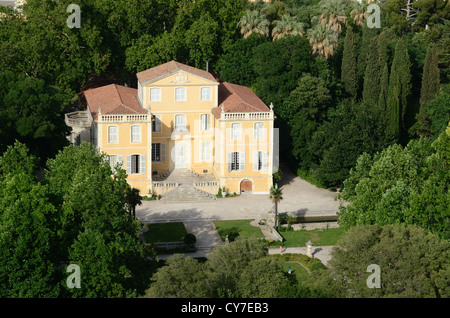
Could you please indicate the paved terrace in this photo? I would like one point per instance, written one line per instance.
(299, 196)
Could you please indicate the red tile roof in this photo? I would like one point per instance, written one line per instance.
(171, 67)
(113, 99)
(237, 98)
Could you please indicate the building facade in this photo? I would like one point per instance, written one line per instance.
(181, 121)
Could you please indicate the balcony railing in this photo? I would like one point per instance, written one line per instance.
(125, 118)
(247, 116)
(78, 118)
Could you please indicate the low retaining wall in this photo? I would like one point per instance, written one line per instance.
(313, 225)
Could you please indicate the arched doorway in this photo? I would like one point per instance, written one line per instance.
(246, 186)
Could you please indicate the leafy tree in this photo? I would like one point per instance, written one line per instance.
(304, 110)
(27, 264)
(112, 264)
(30, 112)
(353, 128)
(235, 66)
(27, 240)
(182, 277)
(132, 199)
(400, 186)
(16, 159)
(262, 278)
(147, 51)
(278, 65)
(227, 262)
(201, 40)
(412, 263)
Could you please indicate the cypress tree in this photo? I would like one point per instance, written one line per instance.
(398, 91)
(368, 36)
(371, 86)
(384, 84)
(430, 77)
(383, 70)
(348, 70)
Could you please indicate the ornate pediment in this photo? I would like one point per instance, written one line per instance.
(180, 77)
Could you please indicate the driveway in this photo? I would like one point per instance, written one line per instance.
(299, 196)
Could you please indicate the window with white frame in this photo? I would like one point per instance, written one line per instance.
(180, 94)
(259, 131)
(205, 122)
(158, 152)
(136, 164)
(180, 122)
(155, 94)
(205, 151)
(157, 124)
(136, 133)
(205, 94)
(260, 160)
(113, 135)
(235, 131)
(236, 161)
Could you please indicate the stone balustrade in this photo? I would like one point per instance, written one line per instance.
(247, 116)
(125, 118)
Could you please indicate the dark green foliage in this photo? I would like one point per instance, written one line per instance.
(371, 87)
(399, 185)
(353, 129)
(30, 112)
(278, 66)
(237, 269)
(430, 77)
(398, 92)
(236, 66)
(412, 264)
(190, 239)
(304, 110)
(348, 70)
(77, 214)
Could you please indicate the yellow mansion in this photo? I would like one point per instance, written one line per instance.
(181, 127)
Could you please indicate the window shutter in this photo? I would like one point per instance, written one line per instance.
(128, 164)
(242, 161)
(255, 160)
(120, 160)
(265, 161)
(208, 151)
(157, 123)
(142, 164)
(230, 154)
(163, 152)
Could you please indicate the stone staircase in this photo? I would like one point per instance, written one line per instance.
(187, 193)
(186, 176)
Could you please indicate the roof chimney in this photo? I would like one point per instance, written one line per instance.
(207, 65)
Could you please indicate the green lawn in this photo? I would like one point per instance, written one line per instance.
(296, 269)
(318, 237)
(241, 227)
(165, 232)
